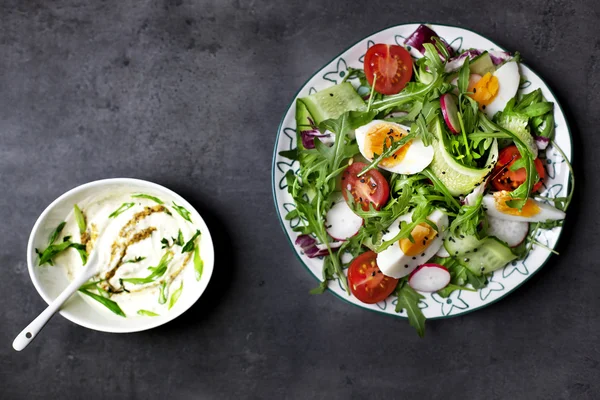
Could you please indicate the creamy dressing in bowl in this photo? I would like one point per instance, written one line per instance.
(154, 251)
(132, 235)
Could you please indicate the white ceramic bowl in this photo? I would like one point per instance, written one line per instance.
(50, 281)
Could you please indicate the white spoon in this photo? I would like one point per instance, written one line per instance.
(31, 331)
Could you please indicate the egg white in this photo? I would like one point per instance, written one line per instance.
(547, 212)
(394, 263)
(508, 81)
(416, 159)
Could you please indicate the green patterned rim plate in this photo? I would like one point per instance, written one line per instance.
(503, 281)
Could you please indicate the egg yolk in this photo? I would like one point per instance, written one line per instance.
(485, 90)
(529, 209)
(381, 134)
(423, 235)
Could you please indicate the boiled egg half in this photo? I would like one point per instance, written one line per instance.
(493, 91)
(409, 159)
(403, 256)
(533, 210)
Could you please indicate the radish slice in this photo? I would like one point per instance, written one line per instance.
(471, 198)
(429, 278)
(450, 112)
(442, 252)
(542, 142)
(341, 222)
(511, 232)
(332, 245)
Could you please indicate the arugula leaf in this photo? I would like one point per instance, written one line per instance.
(290, 154)
(147, 196)
(175, 296)
(538, 109)
(335, 154)
(439, 185)
(56, 232)
(110, 304)
(408, 299)
(441, 48)
(185, 214)
(124, 207)
(468, 219)
(190, 245)
(165, 243)
(387, 152)
(372, 94)
(147, 313)
(433, 57)
(517, 164)
(445, 292)
(156, 272)
(80, 218)
(198, 263)
(463, 76)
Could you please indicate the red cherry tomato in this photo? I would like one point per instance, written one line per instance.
(367, 282)
(371, 188)
(505, 179)
(393, 66)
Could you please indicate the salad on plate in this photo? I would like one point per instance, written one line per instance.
(420, 172)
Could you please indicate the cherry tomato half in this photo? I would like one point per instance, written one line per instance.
(372, 187)
(367, 282)
(393, 66)
(505, 179)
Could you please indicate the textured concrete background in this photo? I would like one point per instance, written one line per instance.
(189, 94)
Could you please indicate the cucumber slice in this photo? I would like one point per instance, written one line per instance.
(332, 102)
(482, 64)
(480, 256)
(489, 256)
(458, 178)
(457, 246)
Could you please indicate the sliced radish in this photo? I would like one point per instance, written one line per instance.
(442, 252)
(471, 198)
(341, 222)
(450, 112)
(542, 142)
(429, 278)
(511, 232)
(332, 245)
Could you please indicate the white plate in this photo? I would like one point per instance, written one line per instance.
(50, 281)
(503, 281)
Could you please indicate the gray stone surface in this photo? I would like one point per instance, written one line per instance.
(189, 94)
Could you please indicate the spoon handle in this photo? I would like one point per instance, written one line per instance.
(30, 332)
